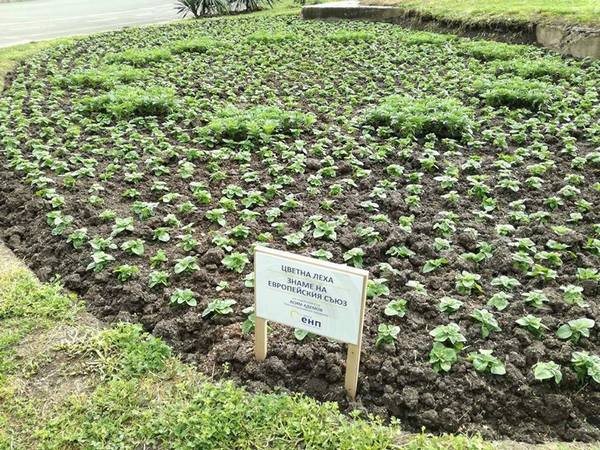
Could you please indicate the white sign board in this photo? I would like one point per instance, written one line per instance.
(310, 294)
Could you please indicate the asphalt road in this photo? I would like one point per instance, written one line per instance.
(35, 20)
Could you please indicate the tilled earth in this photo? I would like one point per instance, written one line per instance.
(383, 188)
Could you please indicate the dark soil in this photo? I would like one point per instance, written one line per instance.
(394, 381)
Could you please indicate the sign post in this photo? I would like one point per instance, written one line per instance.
(313, 295)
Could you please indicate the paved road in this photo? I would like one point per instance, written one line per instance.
(35, 20)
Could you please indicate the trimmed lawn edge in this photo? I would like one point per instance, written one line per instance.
(572, 40)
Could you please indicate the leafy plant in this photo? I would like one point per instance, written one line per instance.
(449, 305)
(133, 247)
(575, 329)
(127, 101)
(187, 264)
(484, 361)
(386, 334)
(236, 261)
(158, 278)
(354, 257)
(126, 272)
(445, 117)
(535, 298)
(532, 324)
(499, 300)
(442, 358)
(450, 333)
(395, 308)
(547, 371)
(467, 282)
(100, 260)
(219, 307)
(183, 297)
(586, 365)
(487, 321)
(377, 288)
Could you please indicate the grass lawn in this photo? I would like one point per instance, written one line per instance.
(585, 12)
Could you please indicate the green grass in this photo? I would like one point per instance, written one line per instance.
(563, 11)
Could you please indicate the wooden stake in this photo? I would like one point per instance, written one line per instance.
(260, 339)
(353, 355)
(352, 365)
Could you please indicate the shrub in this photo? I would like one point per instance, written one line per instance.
(421, 116)
(140, 57)
(488, 50)
(527, 68)
(515, 92)
(125, 102)
(265, 37)
(241, 124)
(424, 37)
(198, 45)
(250, 5)
(199, 8)
(350, 36)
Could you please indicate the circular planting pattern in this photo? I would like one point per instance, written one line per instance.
(463, 175)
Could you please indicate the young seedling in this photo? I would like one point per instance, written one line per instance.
(450, 333)
(395, 308)
(535, 299)
(434, 264)
(400, 251)
(183, 297)
(158, 278)
(506, 283)
(133, 247)
(586, 365)
(573, 295)
(322, 254)
(354, 257)
(219, 307)
(122, 225)
(126, 272)
(187, 264)
(159, 258)
(441, 357)
(547, 371)
(78, 238)
(249, 324)
(300, 335)
(484, 361)
(100, 260)
(532, 324)
(487, 321)
(386, 334)
(575, 329)
(294, 239)
(236, 261)
(467, 282)
(325, 230)
(449, 305)
(377, 288)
